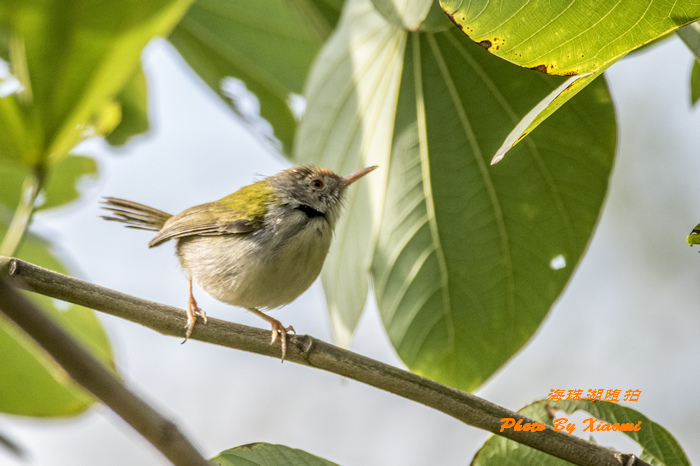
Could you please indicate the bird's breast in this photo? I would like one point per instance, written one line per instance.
(265, 269)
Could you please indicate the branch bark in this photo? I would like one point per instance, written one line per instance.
(309, 351)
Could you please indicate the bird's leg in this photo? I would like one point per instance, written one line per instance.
(277, 327)
(192, 312)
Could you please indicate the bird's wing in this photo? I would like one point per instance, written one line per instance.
(231, 215)
(206, 220)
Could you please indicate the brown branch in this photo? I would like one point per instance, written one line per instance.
(309, 351)
(94, 377)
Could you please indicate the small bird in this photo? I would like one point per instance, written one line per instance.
(258, 248)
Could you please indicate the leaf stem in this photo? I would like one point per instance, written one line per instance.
(23, 214)
(690, 34)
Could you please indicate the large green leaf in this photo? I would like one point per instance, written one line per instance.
(71, 57)
(31, 383)
(567, 38)
(269, 46)
(580, 37)
(466, 259)
(264, 454)
(471, 259)
(351, 101)
(658, 445)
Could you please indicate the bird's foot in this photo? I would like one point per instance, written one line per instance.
(278, 328)
(193, 311)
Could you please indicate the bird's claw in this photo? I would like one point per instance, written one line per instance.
(278, 328)
(193, 311)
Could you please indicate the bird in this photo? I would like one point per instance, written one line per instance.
(259, 248)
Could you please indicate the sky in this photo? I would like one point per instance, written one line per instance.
(629, 318)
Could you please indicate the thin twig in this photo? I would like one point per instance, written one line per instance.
(309, 351)
(23, 214)
(11, 446)
(94, 377)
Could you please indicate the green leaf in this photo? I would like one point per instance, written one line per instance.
(133, 102)
(269, 46)
(351, 100)
(64, 179)
(658, 445)
(31, 383)
(466, 259)
(15, 140)
(694, 236)
(567, 38)
(695, 83)
(543, 110)
(267, 454)
(498, 451)
(4, 46)
(12, 177)
(61, 186)
(469, 259)
(71, 57)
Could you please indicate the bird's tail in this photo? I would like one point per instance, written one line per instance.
(135, 215)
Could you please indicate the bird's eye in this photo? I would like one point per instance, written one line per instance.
(317, 184)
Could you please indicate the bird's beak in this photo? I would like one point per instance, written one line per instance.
(350, 179)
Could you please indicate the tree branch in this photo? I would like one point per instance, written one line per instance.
(94, 377)
(309, 351)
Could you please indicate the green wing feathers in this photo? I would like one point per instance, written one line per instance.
(240, 212)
